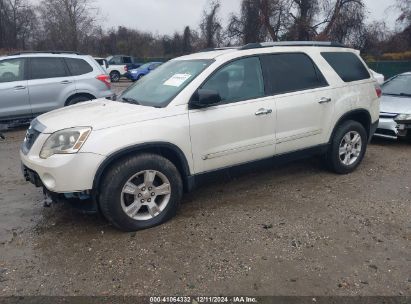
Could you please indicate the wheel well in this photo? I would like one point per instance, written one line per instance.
(172, 153)
(361, 116)
(79, 95)
(115, 71)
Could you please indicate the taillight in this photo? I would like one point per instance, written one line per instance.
(378, 90)
(106, 79)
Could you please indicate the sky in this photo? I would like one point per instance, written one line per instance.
(169, 16)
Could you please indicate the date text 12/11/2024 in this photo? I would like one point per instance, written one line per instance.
(203, 299)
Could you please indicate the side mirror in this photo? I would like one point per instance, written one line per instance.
(205, 98)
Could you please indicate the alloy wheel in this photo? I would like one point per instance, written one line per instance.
(350, 148)
(145, 195)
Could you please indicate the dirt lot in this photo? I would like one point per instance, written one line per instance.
(292, 230)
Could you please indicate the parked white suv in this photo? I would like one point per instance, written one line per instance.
(203, 113)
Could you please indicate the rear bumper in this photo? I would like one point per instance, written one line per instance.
(108, 94)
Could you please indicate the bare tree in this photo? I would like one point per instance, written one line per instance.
(17, 21)
(404, 6)
(344, 19)
(211, 28)
(187, 46)
(260, 20)
(303, 14)
(72, 19)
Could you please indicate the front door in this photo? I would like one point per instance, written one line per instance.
(242, 127)
(14, 97)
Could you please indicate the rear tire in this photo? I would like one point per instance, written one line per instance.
(141, 192)
(115, 76)
(347, 148)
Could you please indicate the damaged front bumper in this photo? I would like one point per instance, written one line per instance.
(389, 128)
(83, 201)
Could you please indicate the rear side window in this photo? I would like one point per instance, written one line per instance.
(285, 73)
(78, 66)
(127, 60)
(347, 65)
(42, 68)
(12, 70)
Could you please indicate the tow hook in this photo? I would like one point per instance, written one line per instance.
(48, 200)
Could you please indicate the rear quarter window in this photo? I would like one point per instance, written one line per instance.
(78, 66)
(347, 65)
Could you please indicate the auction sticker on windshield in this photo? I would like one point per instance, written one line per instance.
(177, 80)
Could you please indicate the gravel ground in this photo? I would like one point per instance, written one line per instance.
(291, 230)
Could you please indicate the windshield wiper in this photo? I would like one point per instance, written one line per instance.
(130, 100)
(400, 94)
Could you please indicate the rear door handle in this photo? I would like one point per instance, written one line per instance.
(19, 88)
(65, 82)
(324, 100)
(263, 112)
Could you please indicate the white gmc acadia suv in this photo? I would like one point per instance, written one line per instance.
(201, 113)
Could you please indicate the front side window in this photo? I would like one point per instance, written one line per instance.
(12, 70)
(238, 80)
(78, 66)
(398, 86)
(347, 65)
(158, 88)
(292, 72)
(42, 68)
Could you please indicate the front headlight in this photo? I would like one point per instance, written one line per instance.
(68, 141)
(403, 118)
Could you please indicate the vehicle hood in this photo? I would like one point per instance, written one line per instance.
(98, 114)
(395, 104)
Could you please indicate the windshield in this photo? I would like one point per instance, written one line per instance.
(158, 88)
(144, 66)
(400, 85)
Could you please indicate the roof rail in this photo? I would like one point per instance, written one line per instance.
(219, 49)
(45, 52)
(291, 43)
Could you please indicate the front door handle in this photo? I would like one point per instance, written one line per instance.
(65, 82)
(324, 100)
(19, 88)
(263, 112)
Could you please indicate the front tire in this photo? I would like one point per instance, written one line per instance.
(141, 192)
(347, 148)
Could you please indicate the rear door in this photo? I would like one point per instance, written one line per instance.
(303, 101)
(242, 127)
(50, 84)
(14, 97)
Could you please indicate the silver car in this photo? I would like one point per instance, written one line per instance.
(395, 115)
(35, 83)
